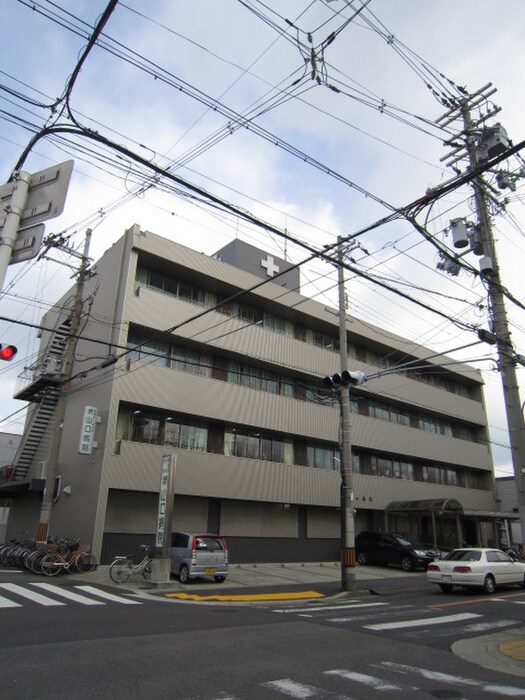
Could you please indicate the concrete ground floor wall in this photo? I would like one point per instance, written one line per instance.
(256, 531)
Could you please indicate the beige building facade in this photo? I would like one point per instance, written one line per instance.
(223, 368)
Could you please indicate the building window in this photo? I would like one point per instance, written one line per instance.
(187, 436)
(325, 341)
(389, 467)
(171, 285)
(145, 349)
(145, 428)
(322, 457)
(187, 360)
(255, 445)
(167, 430)
(274, 323)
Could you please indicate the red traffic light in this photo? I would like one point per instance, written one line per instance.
(7, 352)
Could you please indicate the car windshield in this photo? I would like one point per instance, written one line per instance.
(464, 555)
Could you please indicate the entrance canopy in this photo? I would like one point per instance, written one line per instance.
(440, 509)
(432, 505)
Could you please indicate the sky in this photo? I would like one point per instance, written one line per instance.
(318, 117)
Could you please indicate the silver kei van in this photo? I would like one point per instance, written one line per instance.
(198, 554)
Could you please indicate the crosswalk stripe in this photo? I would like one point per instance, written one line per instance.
(6, 603)
(423, 621)
(488, 687)
(66, 593)
(31, 595)
(371, 681)
(108, 596)
(292, 689)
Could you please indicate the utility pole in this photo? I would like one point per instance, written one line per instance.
(348, 561)
(52, 462)
(507, 357)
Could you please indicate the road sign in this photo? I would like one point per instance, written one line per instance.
(27, 243)
(46, 196)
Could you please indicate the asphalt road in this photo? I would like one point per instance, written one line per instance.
(86, 639)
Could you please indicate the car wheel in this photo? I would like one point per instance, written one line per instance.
(362, 558)
(407, 564)
(446, 587)
(489, 584)
(184, 574)
(220, 579)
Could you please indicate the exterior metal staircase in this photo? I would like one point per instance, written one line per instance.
(40, 420)
(42, 389)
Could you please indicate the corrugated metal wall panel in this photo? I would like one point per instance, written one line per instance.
(220, 476)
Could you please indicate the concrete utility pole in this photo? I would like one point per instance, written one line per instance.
(506, 354)
(507, 357)
(348, 561)
(52, 462)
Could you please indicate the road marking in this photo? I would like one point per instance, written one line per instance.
(506, 690)
(108, 596)
(66, 593)
(422, 622)
(31, 595)
(371, 681)
(470, 601)
(322, 608)
(6, 603)
(247, 597)
(292, 689)
(485, 626)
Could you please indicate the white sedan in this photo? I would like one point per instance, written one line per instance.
(476, 566)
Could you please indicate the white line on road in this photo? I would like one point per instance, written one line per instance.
(108, 596)
(66, 593)
(322, 608)
(422, 621)
(495, 689)
(484, 626)
(292, 689)
(31, 595)
(371, 681)
(6, 603)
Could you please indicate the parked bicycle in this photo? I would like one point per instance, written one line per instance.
(72, 559)
(122, 567)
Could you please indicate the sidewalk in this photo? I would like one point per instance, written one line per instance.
(254, 576)
(503, 651)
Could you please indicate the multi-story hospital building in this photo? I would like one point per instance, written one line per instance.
(221, 363)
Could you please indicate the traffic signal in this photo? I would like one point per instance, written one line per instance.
(7, 352)
(345, 378)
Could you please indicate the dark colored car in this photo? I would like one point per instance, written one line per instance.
(392, 549)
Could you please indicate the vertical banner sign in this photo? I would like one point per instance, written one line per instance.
(87, 431)
(167, 474)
